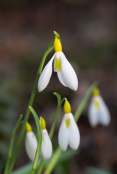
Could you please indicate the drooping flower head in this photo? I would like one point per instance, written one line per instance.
(65, 72)
(30, 142)
(98, 111)
(68, 132)
(46, 147)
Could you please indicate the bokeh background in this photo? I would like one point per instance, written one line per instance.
(88, 31)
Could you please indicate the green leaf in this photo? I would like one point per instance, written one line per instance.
(63, 157)
(56, 115)
(84, 101)
(11, 144)
(92, 170)
(39, 138)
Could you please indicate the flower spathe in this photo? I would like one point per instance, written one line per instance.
(46, 147)
(98, 111)
(65, 72)
(68, 132)
(30, 142)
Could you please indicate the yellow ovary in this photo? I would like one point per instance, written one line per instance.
(43, 123)
(57, 45)
(28, 127)
(67, 107)
(96, 92)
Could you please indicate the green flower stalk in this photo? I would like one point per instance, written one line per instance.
(76, 117)
(11, 144)
(49, 48)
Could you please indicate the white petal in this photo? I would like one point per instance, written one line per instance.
(63, 135)
(46, 148)
(31, 145)
(60, 78)
(93, 115)
(104, 114)
(68, 74)
(74, 135)
(45, 75)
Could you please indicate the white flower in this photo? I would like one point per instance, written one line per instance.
(68, 132)
(98, 111)
(65, 72)
(46, 147)
(30, 142)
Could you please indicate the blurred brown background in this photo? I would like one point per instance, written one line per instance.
(88, 31)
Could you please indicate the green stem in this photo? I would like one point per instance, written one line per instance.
(49, 48)
(84, 101)
(53, 125)
(40, 166)
(39, 140)
(56, 115)
(76, 117)
(53, 161)
(11, 144)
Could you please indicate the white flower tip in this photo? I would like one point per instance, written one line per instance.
(75, 88)
(46, 148)
(31, 145)
(40, 87)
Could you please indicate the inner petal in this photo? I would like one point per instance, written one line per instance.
(57, 64)
(97, 105)
(67, 121)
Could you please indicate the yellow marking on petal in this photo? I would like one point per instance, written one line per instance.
(43, 123)
(67, 121)
(96, 92)
(97, 105)
(67, 107)
(28, 127)
(57, 64)
(57, 45)
(32, 136)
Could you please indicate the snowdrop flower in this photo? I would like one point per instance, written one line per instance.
(65, 72)
(98, 111)
(46, 147)
(68, 132)
(30, 142)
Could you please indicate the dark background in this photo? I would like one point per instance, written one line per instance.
(88, 31)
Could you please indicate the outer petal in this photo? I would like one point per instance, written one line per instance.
(45, 75)
(93, 115)
(74, 135)
(46, 148)
(31, 145)
(104, 114)
(68, 74)
(60, 78)
(63, 135)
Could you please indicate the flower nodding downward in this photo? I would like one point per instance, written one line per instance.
(68, 132)
(98, 111)
(30, 142)
(46, 147)
(65, 71)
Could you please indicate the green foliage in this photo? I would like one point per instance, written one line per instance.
(92, 170)
(63, 157)
(8, 115)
